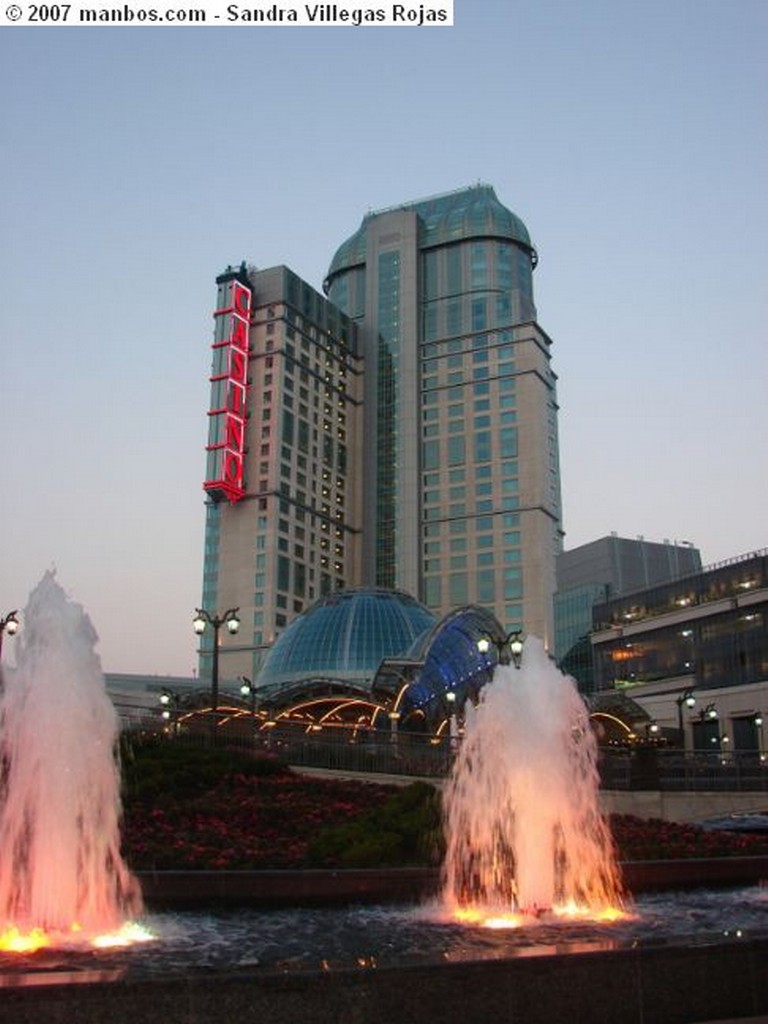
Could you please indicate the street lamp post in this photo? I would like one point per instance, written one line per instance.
(510, 648)
(248, 692)
(170, 703)
(709, 713)
(453, 725)
(687, 698)
(232, 622)
(758, 720)
(394, 718)
(10, 625)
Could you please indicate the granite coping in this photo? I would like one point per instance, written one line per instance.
(271, 889)
(667, 984)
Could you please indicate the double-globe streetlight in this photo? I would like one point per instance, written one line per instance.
(510, 648)
(203, 619)
(688, 699)
(169, 702)
(10, 625)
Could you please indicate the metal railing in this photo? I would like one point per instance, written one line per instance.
(676, 770)
(380, 752)
(374, 754)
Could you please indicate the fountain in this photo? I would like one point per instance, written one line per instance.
(524, 830)
(525, 840)
(62, 877)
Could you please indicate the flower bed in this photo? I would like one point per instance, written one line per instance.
(655, 839)
(192, 811)
(243, 822)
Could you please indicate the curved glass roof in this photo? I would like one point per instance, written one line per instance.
(451, 661)
(345, 636)
(467, 213)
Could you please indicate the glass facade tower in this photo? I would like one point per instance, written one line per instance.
(461, 467)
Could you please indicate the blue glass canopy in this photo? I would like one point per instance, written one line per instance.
(450, 663)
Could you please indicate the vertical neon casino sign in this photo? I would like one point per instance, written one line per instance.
(229, 386)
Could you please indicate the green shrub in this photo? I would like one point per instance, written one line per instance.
(405, 830)
(161, 772)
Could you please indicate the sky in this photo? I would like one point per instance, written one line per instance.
(136, 163)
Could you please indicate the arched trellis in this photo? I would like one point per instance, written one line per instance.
(611, 729)
(617, 719)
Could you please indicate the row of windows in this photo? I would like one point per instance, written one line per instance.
(481, 424)
(480, 507)
(321, 367)
(725, 650)
(503, 355)
(483, 446)
(453, 378)
(456, 412)
(480, 489)
(327, 375)
(458, 392)
(469, 343)
(510, 538)
(481, 587)
(298, 432)
(451, 269)
(482, 559)
(449, 364)
(508, 468)
(296, 579)
(478, 525)
(455, 316)
(307, 308)
(742, 577)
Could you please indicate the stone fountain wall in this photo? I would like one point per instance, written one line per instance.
(658, 985)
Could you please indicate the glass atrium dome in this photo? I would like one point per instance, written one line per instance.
(344, 636)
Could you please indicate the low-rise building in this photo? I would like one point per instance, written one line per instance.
(693, 652)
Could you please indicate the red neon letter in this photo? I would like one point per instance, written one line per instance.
(241, 300)
(238, 333)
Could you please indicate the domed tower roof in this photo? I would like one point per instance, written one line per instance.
(345, 636)
(467, 213)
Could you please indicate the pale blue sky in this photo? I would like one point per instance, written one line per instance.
(632, 139)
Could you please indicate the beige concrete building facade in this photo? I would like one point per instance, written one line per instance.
(296, 532)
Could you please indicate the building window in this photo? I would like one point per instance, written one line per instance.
(456, 452)
(431, 455)
(458, 588)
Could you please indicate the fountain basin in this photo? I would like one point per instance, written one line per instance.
(686, 957)
(269, 889)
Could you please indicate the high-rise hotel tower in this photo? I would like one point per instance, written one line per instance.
(462, 494)
(284, 468)
(401, 432)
